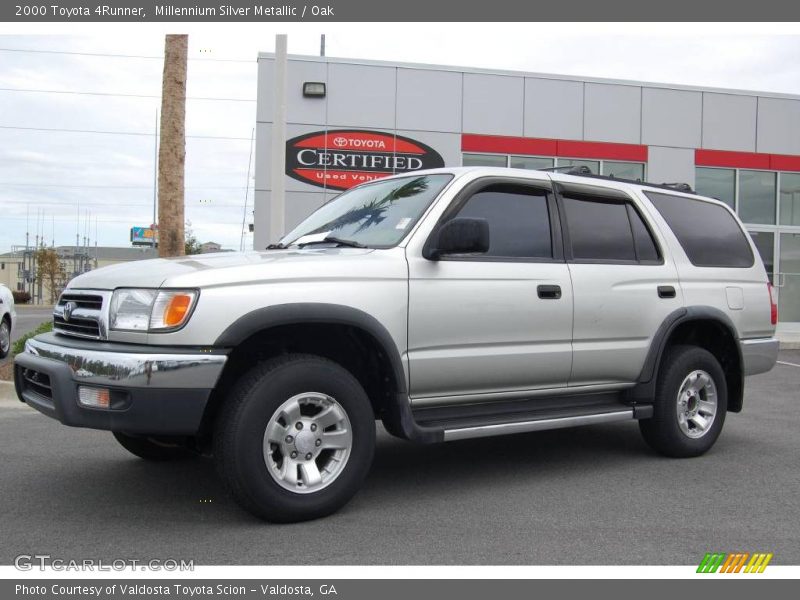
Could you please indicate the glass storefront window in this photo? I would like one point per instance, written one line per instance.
(716, 183)
(531, 162)
(765, 244)
(757, 193)
(790, 199)
(623, 170)
(594, 165)
(484, 160)
(789, 279)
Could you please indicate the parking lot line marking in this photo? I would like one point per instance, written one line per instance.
(788, 364)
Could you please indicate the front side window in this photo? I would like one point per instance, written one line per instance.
(519, 222)
(377, 215)
(708, 233)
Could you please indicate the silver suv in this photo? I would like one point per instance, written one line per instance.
(449, 304)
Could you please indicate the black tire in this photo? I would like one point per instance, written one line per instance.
(242, 422)
(663, 432)
(5, 334)
(156, 448)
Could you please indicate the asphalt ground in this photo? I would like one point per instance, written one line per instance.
(590, 495)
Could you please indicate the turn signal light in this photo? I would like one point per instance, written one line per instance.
(177, 309)
(94, 397)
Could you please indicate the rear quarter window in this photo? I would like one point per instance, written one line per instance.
(708, 233)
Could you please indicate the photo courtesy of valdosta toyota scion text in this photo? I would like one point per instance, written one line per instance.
(399, 295)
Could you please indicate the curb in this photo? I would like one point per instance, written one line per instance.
(8, 394)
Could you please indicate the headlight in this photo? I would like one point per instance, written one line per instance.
(151, 310)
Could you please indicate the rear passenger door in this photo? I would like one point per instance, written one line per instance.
(497, 322)
(624, 284)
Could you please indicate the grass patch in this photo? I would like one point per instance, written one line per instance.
(7, 368)
(19, 345)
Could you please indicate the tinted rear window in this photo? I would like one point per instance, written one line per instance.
(709, 234)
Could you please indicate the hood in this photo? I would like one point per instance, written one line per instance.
(226, 268)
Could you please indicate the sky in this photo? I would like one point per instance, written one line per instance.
(49, 178)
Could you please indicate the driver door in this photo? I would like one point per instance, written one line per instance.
(498, 322)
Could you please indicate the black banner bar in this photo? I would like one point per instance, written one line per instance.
(730, 588)
(243, 11)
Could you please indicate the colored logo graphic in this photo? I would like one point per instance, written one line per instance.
(340, 159)
(740, 562)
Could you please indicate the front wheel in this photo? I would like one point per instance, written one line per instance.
(690, 404)
(5, 338)
(295, 438)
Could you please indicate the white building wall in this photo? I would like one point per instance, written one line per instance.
(436, 105)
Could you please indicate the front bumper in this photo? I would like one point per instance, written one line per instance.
(154, 390)
(759, 355)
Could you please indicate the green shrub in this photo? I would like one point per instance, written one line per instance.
(19, 345)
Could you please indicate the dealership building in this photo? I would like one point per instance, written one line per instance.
(326, 124)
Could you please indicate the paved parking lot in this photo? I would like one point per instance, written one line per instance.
(593, 495)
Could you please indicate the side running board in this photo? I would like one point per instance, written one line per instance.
(445, 424)
(543, 424)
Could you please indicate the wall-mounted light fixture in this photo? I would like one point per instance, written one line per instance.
(314, 89)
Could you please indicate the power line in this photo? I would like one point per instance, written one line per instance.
(126, 221)
(115, 187)
(109, 55)
(133, 133)
(121, 95)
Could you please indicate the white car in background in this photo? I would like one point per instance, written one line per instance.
(7, 317)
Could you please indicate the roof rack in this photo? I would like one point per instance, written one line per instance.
(584, 171)
(569, 170)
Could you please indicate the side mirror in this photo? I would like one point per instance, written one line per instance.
(460, 236)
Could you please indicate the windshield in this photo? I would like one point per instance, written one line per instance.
(377, 215)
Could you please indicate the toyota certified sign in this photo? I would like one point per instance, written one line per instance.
(343, 158)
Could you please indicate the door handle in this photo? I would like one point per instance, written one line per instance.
(549, 292)
(666, 291)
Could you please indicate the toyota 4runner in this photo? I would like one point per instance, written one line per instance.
(449, 304)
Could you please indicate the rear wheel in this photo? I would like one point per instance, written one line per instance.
(156, 448)
(690, 404)
(295, 438)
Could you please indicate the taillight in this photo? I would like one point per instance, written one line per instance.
(773, 308)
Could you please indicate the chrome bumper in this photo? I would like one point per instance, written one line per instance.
(759, 355)
(151, 393)
(129, 369)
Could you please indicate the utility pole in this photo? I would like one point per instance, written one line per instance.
(172, 149)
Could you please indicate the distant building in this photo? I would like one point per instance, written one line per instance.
(18, 268)
(209, 247)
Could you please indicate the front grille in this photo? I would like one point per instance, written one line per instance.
(83, 316)
(77, 326)
(37, 382)
(90, 302)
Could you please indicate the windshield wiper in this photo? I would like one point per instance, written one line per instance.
(334, 240)
(277, 247)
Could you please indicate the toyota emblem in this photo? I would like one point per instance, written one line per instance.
(68, 308)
